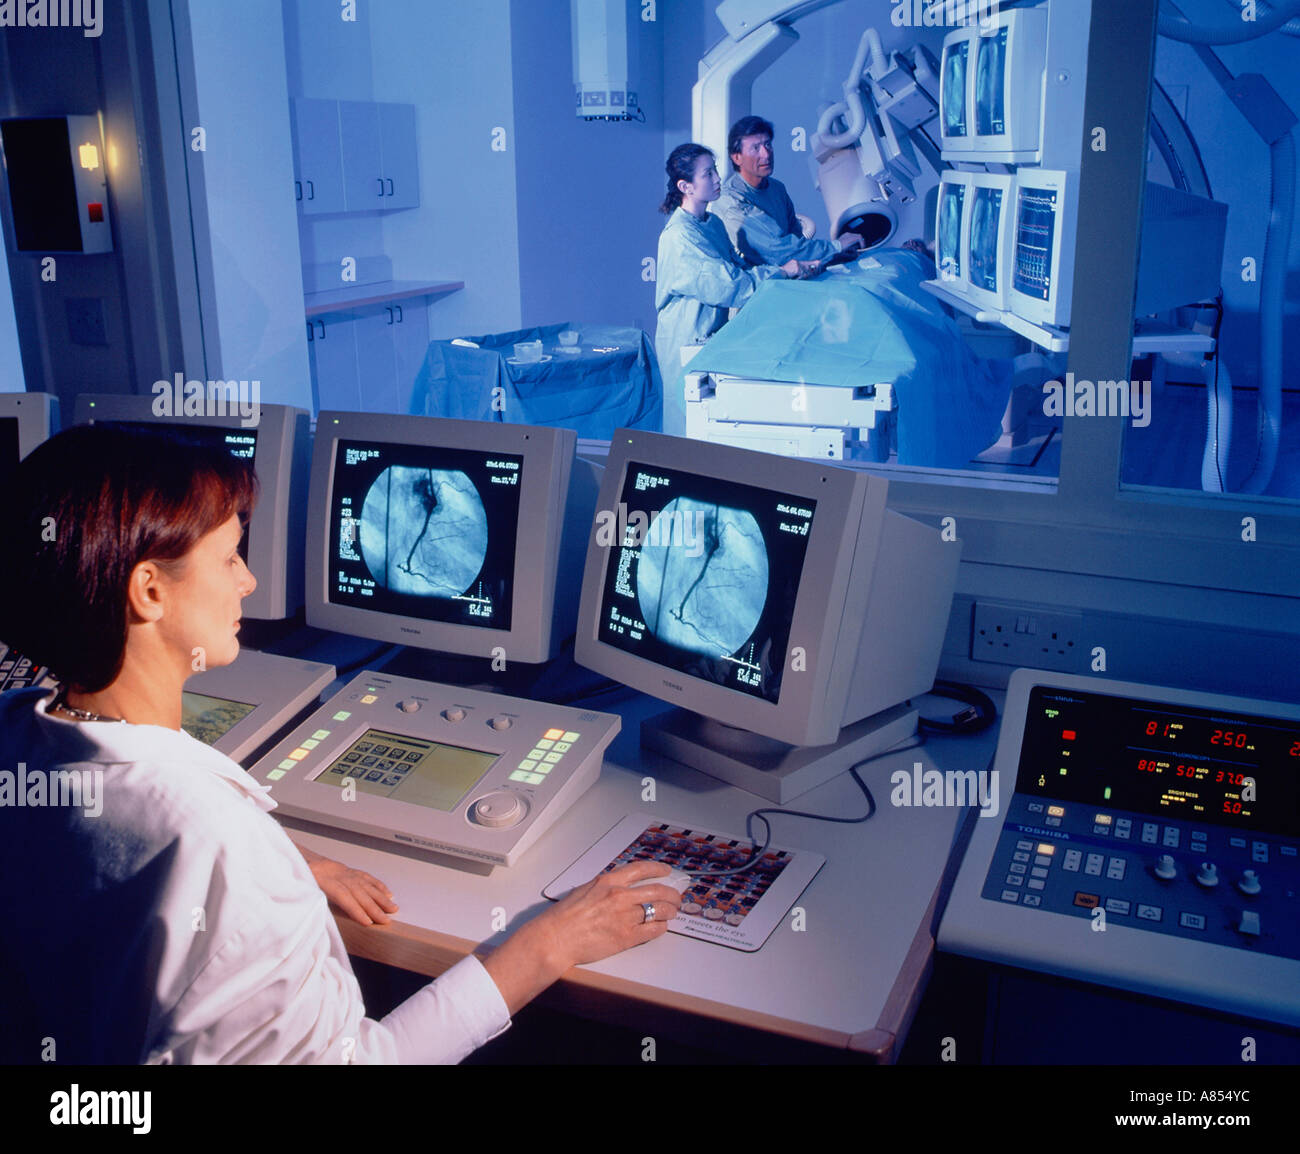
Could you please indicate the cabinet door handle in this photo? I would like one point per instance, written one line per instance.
(311, 190)
(390, 314)
(381, 185)
(322, 329)
(297, 190)
(311, 333)
(390, 185)
(399, 313)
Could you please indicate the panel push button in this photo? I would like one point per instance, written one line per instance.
(499, 810)
(454, 713)
(500, 722)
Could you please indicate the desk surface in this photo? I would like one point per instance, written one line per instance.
(850, 978)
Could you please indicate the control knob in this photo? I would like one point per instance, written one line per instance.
(1208, 875)
(1248, 883)
(409, 705)
(499, 809)
(454, 713)
(1165, 867)
(500, 722)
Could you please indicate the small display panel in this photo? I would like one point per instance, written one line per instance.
(954, 88)
(705, 576)
(986, 218)
(952, 207)
(990, 84)
(8, 447)
(410, 769)
(424, 532)
(1036, 218)
(1172, 761)
(209, 719)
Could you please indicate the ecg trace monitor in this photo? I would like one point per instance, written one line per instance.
(1149, 842)
(460, 771)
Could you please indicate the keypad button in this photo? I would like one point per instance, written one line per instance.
(1150, 833)
(553, 757)
(1086, 901)
(1191, 921)
(562, 747)
(1042, 860)
(1035, 807)
(1010, 895)
(1036, 883)
(1020, 855)
(1101, 830)
(528, 764)
(1015, 880)
(1018, 867)
(1038, 872)
(1092, 865)
(545, 744)
(1052, 821)
(1118, 906)
(1024, 843)
(1171, 836)
(1073, 859)
(1115, 869)
(1148, 913)
(1033, 899)
(569, 736)
(520, 775)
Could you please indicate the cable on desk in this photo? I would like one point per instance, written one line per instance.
(759, 851)
(978, 717)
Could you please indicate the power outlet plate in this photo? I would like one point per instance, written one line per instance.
(1024, 636)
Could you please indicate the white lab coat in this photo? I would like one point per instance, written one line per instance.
(181, 924)
(698, 278)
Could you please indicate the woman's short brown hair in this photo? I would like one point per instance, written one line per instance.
(88, 506)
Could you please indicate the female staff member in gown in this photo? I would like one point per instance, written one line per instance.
(160, 913)
(698, 275)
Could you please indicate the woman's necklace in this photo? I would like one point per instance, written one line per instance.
(61, 704)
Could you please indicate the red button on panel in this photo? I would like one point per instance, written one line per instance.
(96, 211)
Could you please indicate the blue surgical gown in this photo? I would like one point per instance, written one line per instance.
(698, 277)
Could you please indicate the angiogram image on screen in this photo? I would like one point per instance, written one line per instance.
(704, 577)
(426, 532)
(990, 85)
(951, 205)
(954, 89)
(706, 597)
(986, 215)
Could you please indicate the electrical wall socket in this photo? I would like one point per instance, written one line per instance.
(1022, 635)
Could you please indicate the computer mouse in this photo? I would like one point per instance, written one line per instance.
(677, 879)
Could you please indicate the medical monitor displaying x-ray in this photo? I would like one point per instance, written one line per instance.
(988, 237)
(443, 534)
(769, 597)
(954, 92)
(991, 89)
(950, 230)
(707, 577)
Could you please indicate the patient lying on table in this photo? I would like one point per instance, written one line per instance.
(868, 323)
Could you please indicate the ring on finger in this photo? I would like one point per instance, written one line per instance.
(648, 912)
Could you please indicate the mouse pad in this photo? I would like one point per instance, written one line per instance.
(737, 910)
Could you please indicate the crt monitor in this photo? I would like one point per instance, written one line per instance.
(988, 238)
(1042, 263)
(950, 230)
(26, 419)
(446, 535)
(1006, 86)
(779, 599)
(954, 93)
(277, 439)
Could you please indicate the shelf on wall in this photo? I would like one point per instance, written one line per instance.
(346, 300)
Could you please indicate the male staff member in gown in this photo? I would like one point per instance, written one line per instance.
(757, 210)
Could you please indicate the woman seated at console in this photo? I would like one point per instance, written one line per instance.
(165, 915)
(698, 275)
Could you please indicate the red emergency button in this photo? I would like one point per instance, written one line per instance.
(96, 211)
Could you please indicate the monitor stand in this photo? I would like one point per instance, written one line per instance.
(770, 768)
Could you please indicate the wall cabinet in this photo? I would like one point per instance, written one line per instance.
(354, 156)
